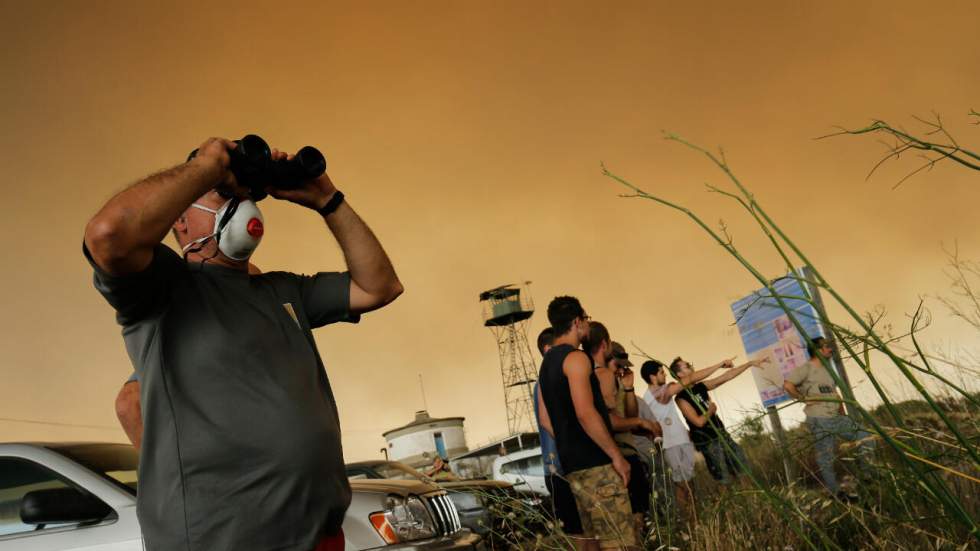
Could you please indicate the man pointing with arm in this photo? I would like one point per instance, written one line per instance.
(241, 445)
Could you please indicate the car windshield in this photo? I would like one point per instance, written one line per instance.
(398, 471)
(116, 462)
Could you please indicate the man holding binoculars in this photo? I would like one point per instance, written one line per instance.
(241, 447)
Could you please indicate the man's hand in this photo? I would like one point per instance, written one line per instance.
(651, 428)
(712, 409)
(214, 154)
(627, 378)
(622, 468)
(313, 194)
(729, 363)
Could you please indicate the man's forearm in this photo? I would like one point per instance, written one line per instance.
(730, 374)
(369, 265)
(791, 389)
(630, 408)
(139, 217)
(624, 424)
(700, 375)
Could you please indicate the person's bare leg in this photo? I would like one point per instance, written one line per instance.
(685, 499)
(583, 543)
(638, 526)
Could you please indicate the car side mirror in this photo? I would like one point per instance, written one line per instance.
(61, 505)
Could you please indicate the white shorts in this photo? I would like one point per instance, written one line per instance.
(680, 462)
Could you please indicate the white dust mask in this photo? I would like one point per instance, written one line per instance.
(240, 235)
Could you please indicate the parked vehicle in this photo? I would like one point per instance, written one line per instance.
(60, 497)
(524, 469)
(404, 515)
(471, 497)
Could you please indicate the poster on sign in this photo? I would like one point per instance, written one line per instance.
(767, 332)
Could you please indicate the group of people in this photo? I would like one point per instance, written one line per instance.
(601, 442)
(604, 446)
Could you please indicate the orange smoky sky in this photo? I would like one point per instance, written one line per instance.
(469, 135)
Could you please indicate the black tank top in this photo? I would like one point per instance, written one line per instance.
(575, 449)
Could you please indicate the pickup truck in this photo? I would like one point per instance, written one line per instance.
(67, 496)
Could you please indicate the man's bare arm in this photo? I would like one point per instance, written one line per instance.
(122, 235)
(577, 369)
(631, 424)
(665, 396)
(692, 416)
(128, 412)
(712, 384)
(373, 279)
(702, 374)
(791, 389)
(630, 408)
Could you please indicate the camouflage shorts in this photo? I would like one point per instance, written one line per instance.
(604, 506)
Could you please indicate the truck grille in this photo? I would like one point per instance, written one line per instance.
(444, 513)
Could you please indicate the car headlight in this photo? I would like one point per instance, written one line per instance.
(403, 520)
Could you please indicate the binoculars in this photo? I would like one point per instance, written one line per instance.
(253, 167)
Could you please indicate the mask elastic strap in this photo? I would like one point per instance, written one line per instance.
(199, 241)
(216, 235)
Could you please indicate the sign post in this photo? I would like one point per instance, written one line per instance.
(777, 431)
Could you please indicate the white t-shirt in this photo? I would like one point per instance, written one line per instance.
(675, 432)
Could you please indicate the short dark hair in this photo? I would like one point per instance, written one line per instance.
(597, 334)
(675, 365)
(814, 344)
(649, 369)
(546, 338)
(562, 313)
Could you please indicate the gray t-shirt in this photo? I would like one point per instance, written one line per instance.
(241, 445)
(813, 381)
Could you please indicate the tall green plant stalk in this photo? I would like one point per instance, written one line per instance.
(934, 485)
(823, 284)
(931, 150)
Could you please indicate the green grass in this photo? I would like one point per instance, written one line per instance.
(893, 511)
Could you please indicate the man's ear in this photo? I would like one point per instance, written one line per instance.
(179, 228)
(180, 225)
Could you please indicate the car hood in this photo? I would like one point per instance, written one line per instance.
(464, 485)
(392, 486)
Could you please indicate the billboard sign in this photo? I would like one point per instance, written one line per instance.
(767, 332)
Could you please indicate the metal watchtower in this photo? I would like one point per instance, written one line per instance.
(506, 313)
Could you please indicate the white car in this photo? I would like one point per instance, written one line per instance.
(68, 497)
(524, 469)
(62, 497)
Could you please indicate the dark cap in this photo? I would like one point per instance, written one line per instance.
(620, 354)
